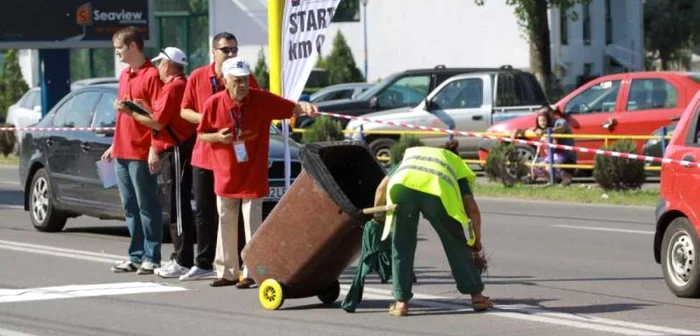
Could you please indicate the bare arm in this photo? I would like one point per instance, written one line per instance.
(191, 115)
(380, 194)
(475, 216)
(304, 108)
(147, 121)
(223, 136)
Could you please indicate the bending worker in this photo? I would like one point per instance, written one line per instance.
(436, 183)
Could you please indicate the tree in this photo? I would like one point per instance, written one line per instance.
(12, 84)
(671, 29)
(262, 73)
(532, 17)
(341, 63)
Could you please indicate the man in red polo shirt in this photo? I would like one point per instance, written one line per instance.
(132, 141)
(202, 84)
(172, 146)
(237, 124)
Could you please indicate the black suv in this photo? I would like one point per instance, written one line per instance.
(403, 89)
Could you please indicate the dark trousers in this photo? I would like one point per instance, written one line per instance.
(183, 244)
(206, 217)
(411, 204)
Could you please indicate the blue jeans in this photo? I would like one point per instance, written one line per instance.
(144, 217)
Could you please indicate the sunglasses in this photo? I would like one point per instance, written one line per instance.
(162, 51)
(228, 50)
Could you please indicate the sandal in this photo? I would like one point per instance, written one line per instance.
(482, 305)
(394, 311)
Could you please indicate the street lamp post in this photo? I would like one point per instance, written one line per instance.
(364, 7)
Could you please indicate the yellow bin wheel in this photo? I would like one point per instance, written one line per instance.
(271, 295)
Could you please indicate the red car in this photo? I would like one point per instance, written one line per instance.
(676, 243)
(635, 103)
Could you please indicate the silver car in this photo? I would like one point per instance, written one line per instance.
(339, 91)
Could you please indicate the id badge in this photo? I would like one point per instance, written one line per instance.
(241, 154)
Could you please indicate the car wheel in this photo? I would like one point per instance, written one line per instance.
(382, 150)
(512, 174)
(44, 216)
(679, 260)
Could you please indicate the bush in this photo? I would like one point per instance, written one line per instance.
(8, 141)
(323, 129)
(406, 141)
(613, 173)
(503, 164)
(12, 84)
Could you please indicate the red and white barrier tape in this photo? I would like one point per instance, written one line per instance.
(57, 129)
(520, 141)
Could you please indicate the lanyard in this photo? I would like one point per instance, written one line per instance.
(214, 84)
(237, 120)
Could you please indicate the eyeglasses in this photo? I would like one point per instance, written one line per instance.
(228, 50)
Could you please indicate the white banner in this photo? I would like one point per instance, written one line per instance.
(303, 34)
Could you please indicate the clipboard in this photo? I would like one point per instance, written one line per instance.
(135, 107)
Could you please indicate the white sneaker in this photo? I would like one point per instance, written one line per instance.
(196, 273)
(171, 270)
(162, 266)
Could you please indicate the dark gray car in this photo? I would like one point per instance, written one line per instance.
(58, 171)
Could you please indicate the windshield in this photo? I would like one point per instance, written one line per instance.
(376, 88)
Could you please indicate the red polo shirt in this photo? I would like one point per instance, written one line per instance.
(202, 84)
(167, 112)
(132, 140)
(243, 179)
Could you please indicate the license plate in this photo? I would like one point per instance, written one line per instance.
(275, 193)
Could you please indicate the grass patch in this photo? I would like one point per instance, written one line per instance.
(573, 194)
(10, 160)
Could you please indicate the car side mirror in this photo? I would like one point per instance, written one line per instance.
(428, 105)
(37, 109)
(374, 102)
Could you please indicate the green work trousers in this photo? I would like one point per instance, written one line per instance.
(411, 204)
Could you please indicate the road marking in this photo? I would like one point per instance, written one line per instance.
(60, 252)
(9, 182)
(519, 312)
(11, 207)
(81, 291)
(593, 228)
(7, 332)
(533, 314)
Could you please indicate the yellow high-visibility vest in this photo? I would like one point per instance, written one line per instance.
(434, 171)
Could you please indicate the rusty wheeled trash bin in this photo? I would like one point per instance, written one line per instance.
(314, 232)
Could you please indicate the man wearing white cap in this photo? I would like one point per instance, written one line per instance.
(173, 140)
(236, 122)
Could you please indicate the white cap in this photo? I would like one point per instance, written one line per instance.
(236, 67)
(171, 54)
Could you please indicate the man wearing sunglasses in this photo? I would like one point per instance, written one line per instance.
(203, 83)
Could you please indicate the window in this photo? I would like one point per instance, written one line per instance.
(77, 112)
(597, 98)
(587, 23)
(460, 94)
(647, 94)
(563, 26)
(515, 89)
(587, 69)
(608, 22)
(105, 115)
(29, 99)
(407, 91)
(334, 95)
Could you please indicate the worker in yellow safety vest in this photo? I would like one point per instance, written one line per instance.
(436, 183)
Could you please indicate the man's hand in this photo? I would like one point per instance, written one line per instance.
(477, 246)
(120, 107)
(224, 136)
(307, 109)
(107, 154)
(153, 161)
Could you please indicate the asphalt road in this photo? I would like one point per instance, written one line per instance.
(556, 269)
